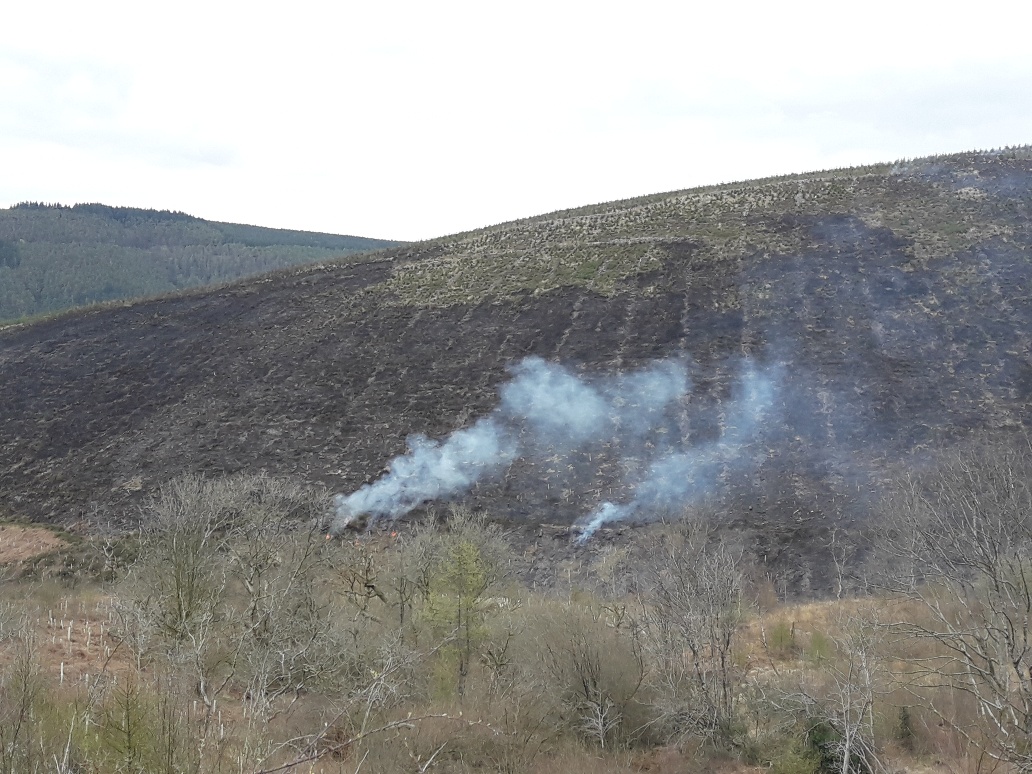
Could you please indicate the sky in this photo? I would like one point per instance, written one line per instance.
(411, 120)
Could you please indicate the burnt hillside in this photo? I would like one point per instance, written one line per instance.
(895, 299)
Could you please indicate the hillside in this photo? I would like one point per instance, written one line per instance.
(54, 257)
(889, 305)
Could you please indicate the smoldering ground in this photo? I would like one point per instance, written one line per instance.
(870, 373)
(637, 424)
(890, 350)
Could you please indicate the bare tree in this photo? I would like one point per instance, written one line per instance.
(287, 632)
(596, 671)
(692, 617)
(959, 541)
(227, 588)
(21, 688)
(836, 703)
(179, 576)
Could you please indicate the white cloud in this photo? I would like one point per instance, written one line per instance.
(411, 119)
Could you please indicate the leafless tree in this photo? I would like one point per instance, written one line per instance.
(21, 686)
(835, 703)
(227, 587)
(288, 635)
(596, 671)
(692, 619)
(959, 542)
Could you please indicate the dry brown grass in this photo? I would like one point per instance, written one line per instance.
(502, 726)
(73, 640)
(20, 543)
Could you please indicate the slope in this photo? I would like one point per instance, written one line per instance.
(895, 301)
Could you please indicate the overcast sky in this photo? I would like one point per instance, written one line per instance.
(411, 120)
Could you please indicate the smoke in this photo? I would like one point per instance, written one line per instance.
(431, 470)
(557, 407)
(546, 410)
(688, 476)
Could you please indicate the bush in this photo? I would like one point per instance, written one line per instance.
(596, 672)
(794, 757)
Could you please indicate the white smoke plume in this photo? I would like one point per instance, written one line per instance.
(431, 470)
(543, 409)
(548, 409)
(687, 476)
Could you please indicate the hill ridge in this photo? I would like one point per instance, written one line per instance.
(1014, 152)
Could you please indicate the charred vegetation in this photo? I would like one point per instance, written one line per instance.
(895, 298)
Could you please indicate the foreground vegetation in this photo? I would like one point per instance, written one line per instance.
(233, 635)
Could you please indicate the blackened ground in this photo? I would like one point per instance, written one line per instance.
(321, 375)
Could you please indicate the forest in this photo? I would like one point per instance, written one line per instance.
(55, 257)
(235, 634)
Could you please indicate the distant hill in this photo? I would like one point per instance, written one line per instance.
(53, 257)
(893, 302)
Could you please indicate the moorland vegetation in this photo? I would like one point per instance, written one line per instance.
(233, 634)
